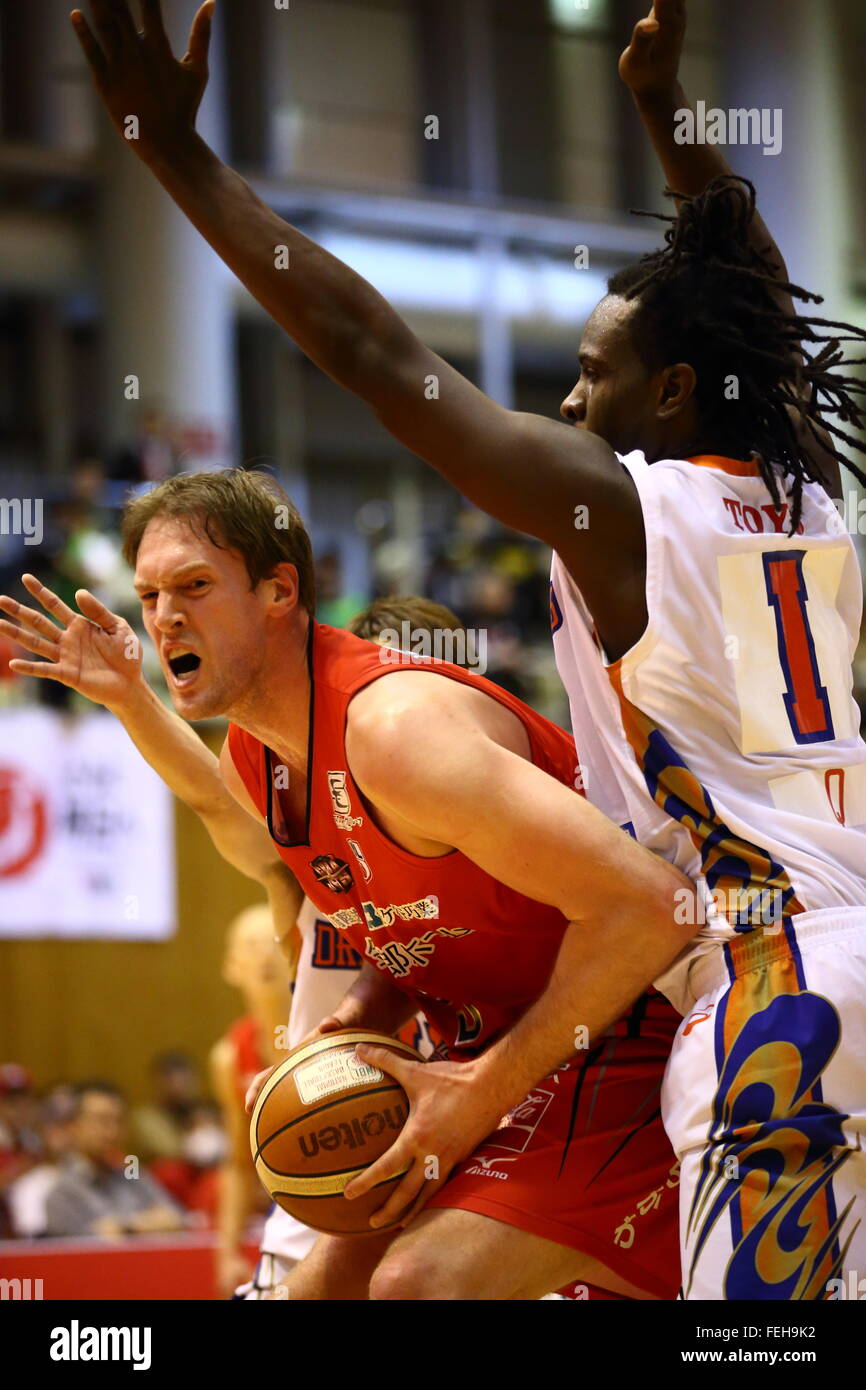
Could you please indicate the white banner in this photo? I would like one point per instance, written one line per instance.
(86, 831)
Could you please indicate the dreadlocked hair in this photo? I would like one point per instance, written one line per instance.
(712, 299)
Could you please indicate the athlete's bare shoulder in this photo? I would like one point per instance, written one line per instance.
(405, 713)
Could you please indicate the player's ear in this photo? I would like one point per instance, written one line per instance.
(284, 588)
(677, 388)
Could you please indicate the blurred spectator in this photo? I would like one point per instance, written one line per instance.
(28, 1195)
(96, 1192)
(160, 1130)
(20, 1140)
(333, 606)
(150, 454)
(255, 967)
(193, 1178)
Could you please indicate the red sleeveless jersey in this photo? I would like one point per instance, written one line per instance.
(248, 1060)
(472, 953)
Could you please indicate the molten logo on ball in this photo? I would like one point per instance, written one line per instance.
(354, 1134)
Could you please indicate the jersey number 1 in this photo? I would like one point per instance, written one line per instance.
(806, 700)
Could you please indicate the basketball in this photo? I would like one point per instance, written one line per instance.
(320, 1119)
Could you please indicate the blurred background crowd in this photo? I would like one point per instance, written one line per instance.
(52, 1141)
(127, 354)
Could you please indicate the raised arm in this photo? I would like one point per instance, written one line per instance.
(650, 69)
(649, 66)
(529, 471)
(96, 653)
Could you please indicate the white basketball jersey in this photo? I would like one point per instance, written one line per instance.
(728, 735)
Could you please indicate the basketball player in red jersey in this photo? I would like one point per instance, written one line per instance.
(256, 1040)
(433, 819)
(107, 673)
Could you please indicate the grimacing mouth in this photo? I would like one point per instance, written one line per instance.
(183, 664)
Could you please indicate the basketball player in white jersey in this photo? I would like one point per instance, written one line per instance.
(706, 602)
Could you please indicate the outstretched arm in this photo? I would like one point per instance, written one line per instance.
(529, 471)
(650, 69)
(96, 653)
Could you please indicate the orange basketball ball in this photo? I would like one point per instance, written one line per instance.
(319, 1120)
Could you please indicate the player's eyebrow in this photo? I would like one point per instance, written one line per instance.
(195, 566)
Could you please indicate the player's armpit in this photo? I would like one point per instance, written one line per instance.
(234, 783)
(459, 785)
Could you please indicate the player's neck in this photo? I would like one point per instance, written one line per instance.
(276, 710)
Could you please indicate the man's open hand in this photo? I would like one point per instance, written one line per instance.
(94, 652)
(138, 76)
(650, 64)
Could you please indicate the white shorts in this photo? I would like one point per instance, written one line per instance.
(764, 1101)
(285, 1242)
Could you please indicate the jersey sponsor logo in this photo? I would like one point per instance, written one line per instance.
(339, 796)
(359, 855)
(520, 1124)
(422, 908)
(400, 957)
(330, 950)
(555, 611)
(625, 1232)
(482, 1166)
(345, 918)
(343, 818)
(332, 873)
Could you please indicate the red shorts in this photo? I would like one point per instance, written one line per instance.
(584, 1160)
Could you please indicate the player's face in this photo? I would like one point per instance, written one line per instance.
(615, 395)
(206, 623)
(99, 1126)
(253, 961)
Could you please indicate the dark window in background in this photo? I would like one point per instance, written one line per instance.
(325, 92)
(19, 48)
(19, 415)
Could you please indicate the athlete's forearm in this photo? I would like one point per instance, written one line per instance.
(191, 771)
(597, 977)
(332, 313)
(688, 168)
